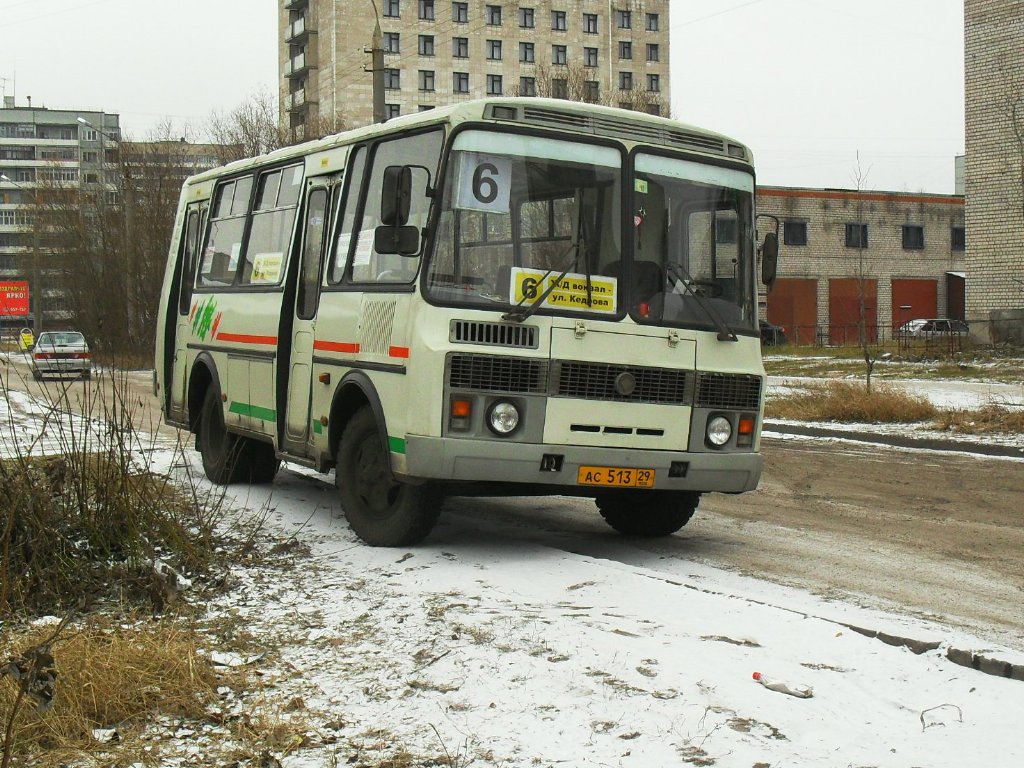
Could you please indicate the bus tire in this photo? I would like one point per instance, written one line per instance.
(647, 513)
(219, 449)
(381, 510)
(260, 460)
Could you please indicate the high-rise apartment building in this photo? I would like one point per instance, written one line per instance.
(44, 148)
(439, 52)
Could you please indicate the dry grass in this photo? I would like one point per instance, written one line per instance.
(851, 402)
(110, 674)
(988, 419)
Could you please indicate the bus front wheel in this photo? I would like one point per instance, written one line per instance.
(381, 510)
(647, 513)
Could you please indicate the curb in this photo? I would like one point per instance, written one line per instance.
(898, 441)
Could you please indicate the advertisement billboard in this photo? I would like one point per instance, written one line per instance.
(14, 298)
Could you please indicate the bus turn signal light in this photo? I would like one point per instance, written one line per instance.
(461, 410)
(745, 431)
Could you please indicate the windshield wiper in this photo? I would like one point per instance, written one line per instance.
(519, 313)
(680, 275)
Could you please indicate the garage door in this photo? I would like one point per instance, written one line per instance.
(844, 310)
(793, 304)
(912, 299)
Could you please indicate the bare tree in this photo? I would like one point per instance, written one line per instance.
(864, 337)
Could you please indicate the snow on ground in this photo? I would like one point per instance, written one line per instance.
(960, 395)
(493, 645)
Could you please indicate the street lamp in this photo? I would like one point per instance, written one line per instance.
(37, 281)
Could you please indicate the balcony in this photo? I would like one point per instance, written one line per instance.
(294, 5)
(296, 66)
(298, 30)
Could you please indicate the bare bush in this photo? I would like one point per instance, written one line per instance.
(853, 402)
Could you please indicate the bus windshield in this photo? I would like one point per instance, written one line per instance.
(693, 244)
(522, 213)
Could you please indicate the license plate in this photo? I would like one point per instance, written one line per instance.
(621, 477)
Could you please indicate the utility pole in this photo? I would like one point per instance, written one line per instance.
(377, 68)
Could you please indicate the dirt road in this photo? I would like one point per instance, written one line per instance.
(935, 534)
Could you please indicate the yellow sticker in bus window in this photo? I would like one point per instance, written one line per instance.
(640, 185)
(573, 292)
(266, 267)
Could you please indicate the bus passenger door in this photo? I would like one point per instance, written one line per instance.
(307, 295)
(177, 383)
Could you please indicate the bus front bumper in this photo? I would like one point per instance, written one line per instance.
(483, 461)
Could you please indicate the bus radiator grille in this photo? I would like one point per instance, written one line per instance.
(493, 334)
(622, 383)
(728, 391)
(498, 374)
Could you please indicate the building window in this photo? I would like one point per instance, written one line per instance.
(590, 23)
(590, 57)
(426, 45)
(527, 86)
(626, 81)
(460, 47)
(526, 53)
(526, 18)
(460, 13)
(856, 235)
(392, 79)
(654, 109)
(87, 157)
(625, 50)
(654, 83)
(425, 107)
(958, 239)
(794, 232)
(559, 54)
(591, 91)
(493, 15)
(460, 82)
(392, 44)
(560, 88)
(652, 22)
(913, 237)
(624, 19)
(426, 10)
(558, 21)
(392, 110)
(494, 50)
(652, 52)
(494, 85)
(426, 79)
(391, 9)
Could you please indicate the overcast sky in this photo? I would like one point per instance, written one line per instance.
(808, 84)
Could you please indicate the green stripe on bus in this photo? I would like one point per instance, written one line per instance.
(396, 444)
(318, 428)
(253, 411)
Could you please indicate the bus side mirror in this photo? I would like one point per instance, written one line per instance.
(769, 258)
(395, 195)
(405, 241)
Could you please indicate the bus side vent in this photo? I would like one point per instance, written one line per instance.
(493, 334)
(498, 374)
(729, 391)
(624, 383)
(376, 325)
(605, 125)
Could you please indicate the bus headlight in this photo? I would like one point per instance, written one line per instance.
(503, 418)
(719, 431)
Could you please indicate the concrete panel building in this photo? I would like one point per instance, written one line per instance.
(900, 256)
(441, 52)
(994, 173)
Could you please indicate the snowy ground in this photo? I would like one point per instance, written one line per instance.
(494, 645)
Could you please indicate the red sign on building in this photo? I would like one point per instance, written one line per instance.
(13, 298)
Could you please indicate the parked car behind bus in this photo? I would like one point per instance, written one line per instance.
(61, 352)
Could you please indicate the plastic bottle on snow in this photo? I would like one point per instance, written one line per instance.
(793, 689)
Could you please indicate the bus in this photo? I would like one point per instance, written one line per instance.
(508, 296)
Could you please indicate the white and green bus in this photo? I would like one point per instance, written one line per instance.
(503, 297)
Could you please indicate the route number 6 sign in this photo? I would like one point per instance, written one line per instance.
(484, 183)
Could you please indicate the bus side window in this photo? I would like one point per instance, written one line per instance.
(188, 260)
(421, 153)
(348, 208)
(227, 226)
(273, 219)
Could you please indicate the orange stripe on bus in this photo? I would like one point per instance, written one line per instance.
(336, 346)
(244, 338)
(402, 352)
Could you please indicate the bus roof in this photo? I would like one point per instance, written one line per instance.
(553, 114)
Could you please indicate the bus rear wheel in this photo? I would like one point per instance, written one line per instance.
(229, 458)
(647, 513)
(382, 511)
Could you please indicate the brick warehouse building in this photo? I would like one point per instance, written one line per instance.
(906, 250)
(439, 52)
(994, 176)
